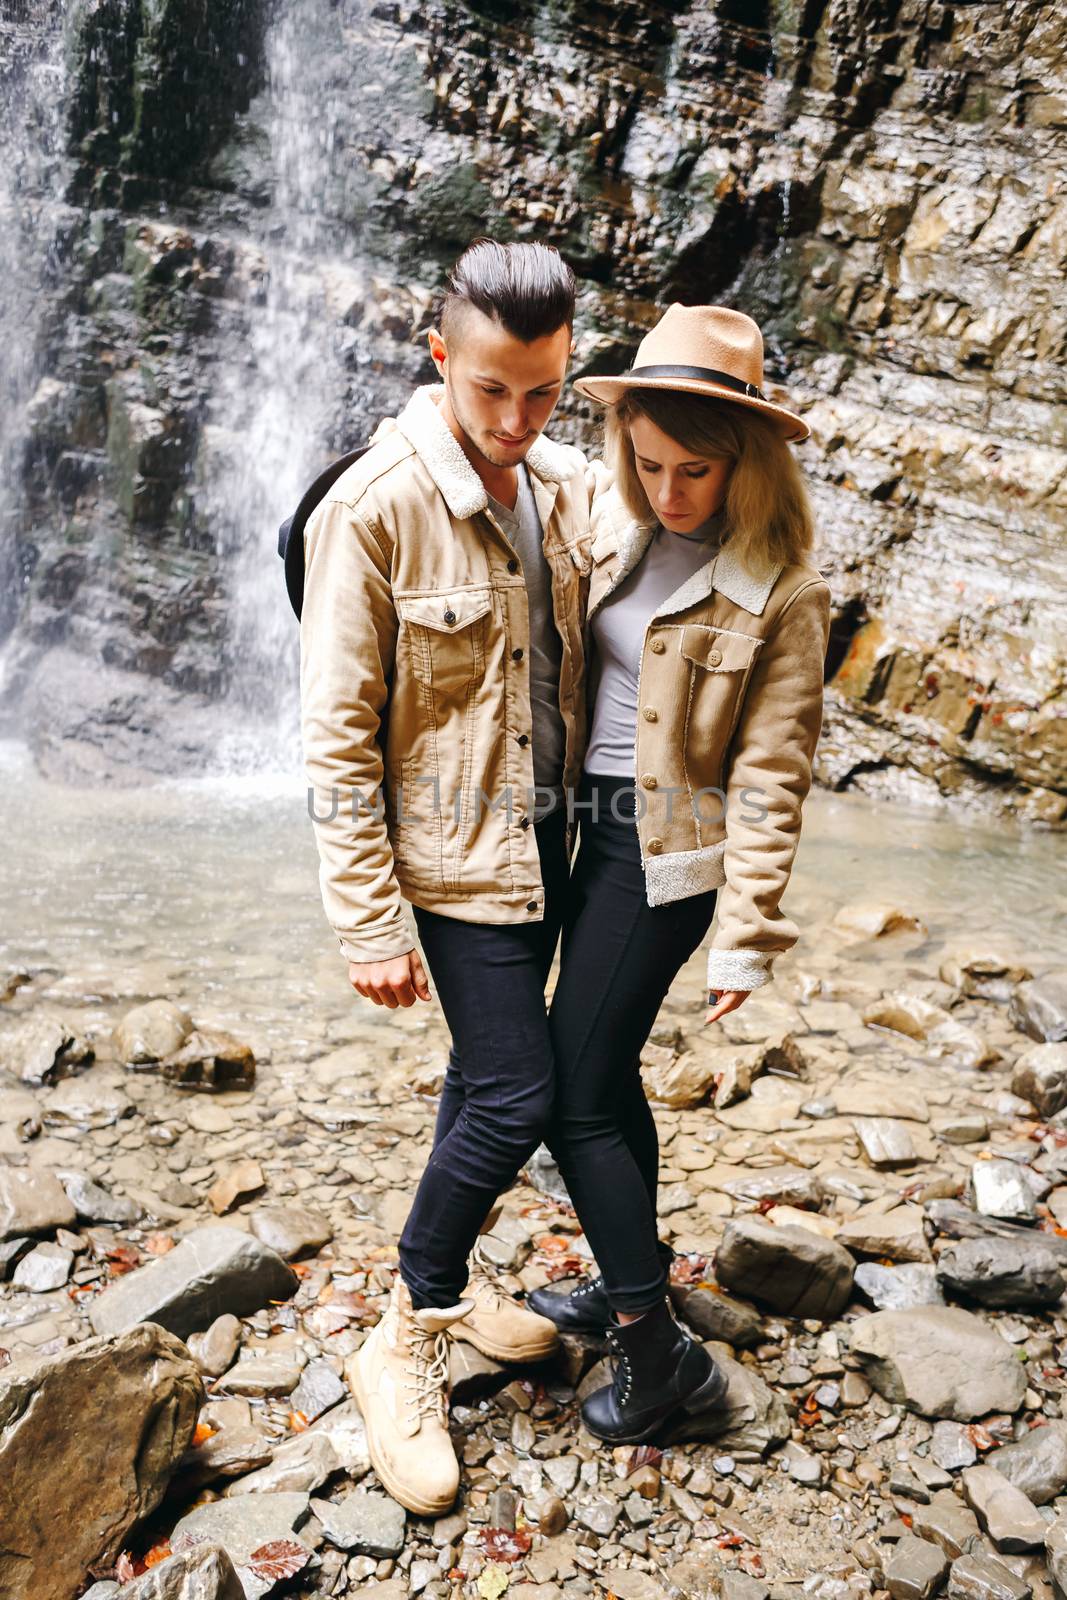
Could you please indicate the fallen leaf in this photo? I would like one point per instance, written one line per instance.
(500, 1544)
(492, 1581)
(202, 1433)
(159, 1552)
(159, 1244)
(281, 1558)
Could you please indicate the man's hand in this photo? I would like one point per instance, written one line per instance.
(397, 982)
(729, 1000)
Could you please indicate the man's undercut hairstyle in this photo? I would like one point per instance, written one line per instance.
(528, 288)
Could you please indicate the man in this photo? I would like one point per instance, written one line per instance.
(442, 675)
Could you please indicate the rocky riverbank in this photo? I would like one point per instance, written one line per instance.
(864, 1174)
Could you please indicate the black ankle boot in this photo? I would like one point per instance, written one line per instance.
(584, 1310)
(587, 1308)
(660, 1374)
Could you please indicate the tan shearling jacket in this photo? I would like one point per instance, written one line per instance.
(730, 697)
(415, 686)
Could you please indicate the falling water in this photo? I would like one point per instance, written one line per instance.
(31, 106)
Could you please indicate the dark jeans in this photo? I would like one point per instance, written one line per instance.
(619, 958)
(572, 1078)
(497, 1095)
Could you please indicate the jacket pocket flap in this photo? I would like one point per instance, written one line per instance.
(445, 610)
(717, 649)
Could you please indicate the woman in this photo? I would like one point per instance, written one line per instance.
(707, 632)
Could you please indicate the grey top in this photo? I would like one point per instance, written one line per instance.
(618, 637)
(548, 735)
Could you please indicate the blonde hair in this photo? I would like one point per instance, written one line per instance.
(768, 515)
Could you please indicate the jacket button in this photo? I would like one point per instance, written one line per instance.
(531, 905)
(654, 847)
(714, 657)
(524, 739)
(650, 715)
(524, 822)
(450, 616)
(649, 780)
(516, 655)
(513, 565)
(657, 647)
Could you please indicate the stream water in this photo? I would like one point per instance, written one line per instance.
(208, 892)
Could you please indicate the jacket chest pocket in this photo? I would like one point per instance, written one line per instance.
(721, 663)
(446, 635)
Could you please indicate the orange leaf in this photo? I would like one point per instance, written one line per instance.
(158, 1553)
(203, 1432)
(281, 1558)
(298, 1421)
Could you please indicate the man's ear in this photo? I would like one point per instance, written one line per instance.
(438, 352)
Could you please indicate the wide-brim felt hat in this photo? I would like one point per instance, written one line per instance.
(710, 350)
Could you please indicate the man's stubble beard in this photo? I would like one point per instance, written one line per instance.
(510, 460)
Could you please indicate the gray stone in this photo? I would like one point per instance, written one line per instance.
(1038, 1007)
(996, 1272)
(948, 1523)
(1010, 1519)
(292, 1231)
(214, 1350)
(599, 1516)
(1056, 1556)
(46, 1267)
(336, 1443)
(95, 1204)
(915, 1569)
(895, 1235)
(242, 1526)
(717, 1316)
(72, 1502)
(32, 1202)
(369, 1523)
(202, 1573)
(952, 1447)
(898, 1288)
(886, 1142)
(274, 1373)
(957, 1221)
(1040, 1076)
(211, 1270)
(41, 1049)
(1036, 1464)
(86, 1103)
(999, 1189)
(981, 1577)
(319, 1389)
(151, 1031)
(212, 1061)
(792, 1270)
(939, 1361)
(965, 1127)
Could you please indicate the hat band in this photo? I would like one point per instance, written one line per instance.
(704, 374)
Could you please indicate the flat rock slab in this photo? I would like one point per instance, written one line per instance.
(95, 1204)
(791, 1270)
(88, 1442)
(211, 1271)
(292, 1231)
(1003, 1272)
(1036, 1464)
(240, 1526)
(912, 1283)
(979, 1577)
(895, 1235)
(940, 1361)
(886, 1141)
(1011, 1520)
(371, 1524)
(915, 1569)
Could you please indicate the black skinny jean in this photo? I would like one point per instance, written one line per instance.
(572, 1078)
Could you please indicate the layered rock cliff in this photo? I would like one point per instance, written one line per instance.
(234, 244)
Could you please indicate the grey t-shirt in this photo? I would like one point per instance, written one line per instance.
(618, 634)
(548, 735)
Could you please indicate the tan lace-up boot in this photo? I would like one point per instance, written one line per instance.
(399, 1378)
(499, 1326)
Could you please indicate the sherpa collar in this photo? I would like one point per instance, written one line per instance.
(439, 451)
(723, 572)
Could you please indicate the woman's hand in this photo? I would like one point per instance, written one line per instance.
(729, 1000)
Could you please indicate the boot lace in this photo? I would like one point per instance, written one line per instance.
(481, 1283)
(427, 1374)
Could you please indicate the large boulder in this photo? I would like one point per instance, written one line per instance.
(1036, 1463)
(89, 1439)
(939, 1361)
(1001, 1272)
(791, 1270)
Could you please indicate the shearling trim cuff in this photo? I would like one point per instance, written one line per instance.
(681, 873)
(739, 969)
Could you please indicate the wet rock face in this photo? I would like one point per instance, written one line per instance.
(878, 190)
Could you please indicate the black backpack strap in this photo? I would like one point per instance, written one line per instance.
(291, 532)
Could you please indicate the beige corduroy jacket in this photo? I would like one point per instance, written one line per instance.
(415, 682)
(730, 698)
